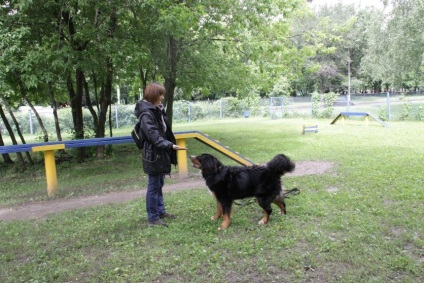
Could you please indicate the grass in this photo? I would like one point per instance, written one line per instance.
(359, 222)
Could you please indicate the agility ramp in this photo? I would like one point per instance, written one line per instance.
(205, 139)
(367, 115)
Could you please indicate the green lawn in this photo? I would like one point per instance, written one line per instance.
(362, 221)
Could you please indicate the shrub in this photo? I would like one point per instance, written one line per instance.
(420, 113)
(315, 104)
(382, 113)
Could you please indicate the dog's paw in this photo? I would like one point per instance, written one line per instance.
(261, 222)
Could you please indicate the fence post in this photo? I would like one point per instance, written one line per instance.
(220, 109)
(31, 129)
(116, 116)
(189, 111)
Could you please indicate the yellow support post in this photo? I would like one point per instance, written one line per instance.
(50, 165)
(366, 120)
(182, 159)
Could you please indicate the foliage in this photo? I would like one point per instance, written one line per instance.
(420, 113)
(329, 99)
(382, 113)
(251, 101)
(315, 104)
(83, 49)
(281, 88)
(334, 38)
(80, 50)
(406, 108)
(395, 46)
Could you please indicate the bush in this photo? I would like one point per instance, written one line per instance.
(382, 114)
(420, 113)
(328, 104)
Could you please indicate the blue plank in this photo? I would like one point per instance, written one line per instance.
(73, 143)
(68, 144)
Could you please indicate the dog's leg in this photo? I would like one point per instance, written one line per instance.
(279, 200)
(226, 210)
(225, 223)
(218, 211)
(265, 219)
(267, 210)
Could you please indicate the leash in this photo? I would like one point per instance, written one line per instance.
(292, 192)
(287, 194)
(245, 202)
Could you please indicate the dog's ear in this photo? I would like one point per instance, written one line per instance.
(216, 164)
(210, 164)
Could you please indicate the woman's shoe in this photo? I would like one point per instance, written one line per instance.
(158, 222)
(167, 215)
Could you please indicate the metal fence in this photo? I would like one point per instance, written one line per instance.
(386, 106)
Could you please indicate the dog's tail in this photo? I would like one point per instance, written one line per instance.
(281, 164)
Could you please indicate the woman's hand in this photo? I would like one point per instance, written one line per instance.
(176, 147)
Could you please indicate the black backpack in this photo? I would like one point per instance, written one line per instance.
(137, 134)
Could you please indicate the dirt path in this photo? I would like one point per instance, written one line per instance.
(40, 210)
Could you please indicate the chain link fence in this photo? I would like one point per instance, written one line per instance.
(388, 107)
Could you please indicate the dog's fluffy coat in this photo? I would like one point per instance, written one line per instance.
(228, 183)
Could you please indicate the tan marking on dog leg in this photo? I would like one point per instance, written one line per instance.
(225, 223)
(279, 201)
(218, 211)
(265, 219)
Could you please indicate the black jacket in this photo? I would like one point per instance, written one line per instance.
(157, 152)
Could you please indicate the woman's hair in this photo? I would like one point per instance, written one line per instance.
(153, 91)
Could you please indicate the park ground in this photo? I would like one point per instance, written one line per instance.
(41, 209)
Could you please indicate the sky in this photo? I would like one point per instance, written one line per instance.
(358, 3)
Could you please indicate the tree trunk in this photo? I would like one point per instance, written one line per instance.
(18, 129)
(104, 103)
(56, 119)
(110, 119)
(96, 95)
(75, 96)
(173, 50)
(40, 122)
(89, 105)
(12, 137)
(107, 88)
(170, 88)
(54, 107)
(144, 77)
(76, 108)
(6, 156)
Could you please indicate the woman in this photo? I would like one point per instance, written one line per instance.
(159, 150)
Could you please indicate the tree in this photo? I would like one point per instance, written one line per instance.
(336, 38)
(18, 130)
(85, 47)
(6, 157)
(216, 46)
(395, 46)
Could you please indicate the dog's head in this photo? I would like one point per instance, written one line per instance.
(208, 163)
(282, 164)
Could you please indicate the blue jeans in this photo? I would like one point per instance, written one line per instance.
(154, 197)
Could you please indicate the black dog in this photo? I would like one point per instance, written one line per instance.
(228, 183)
